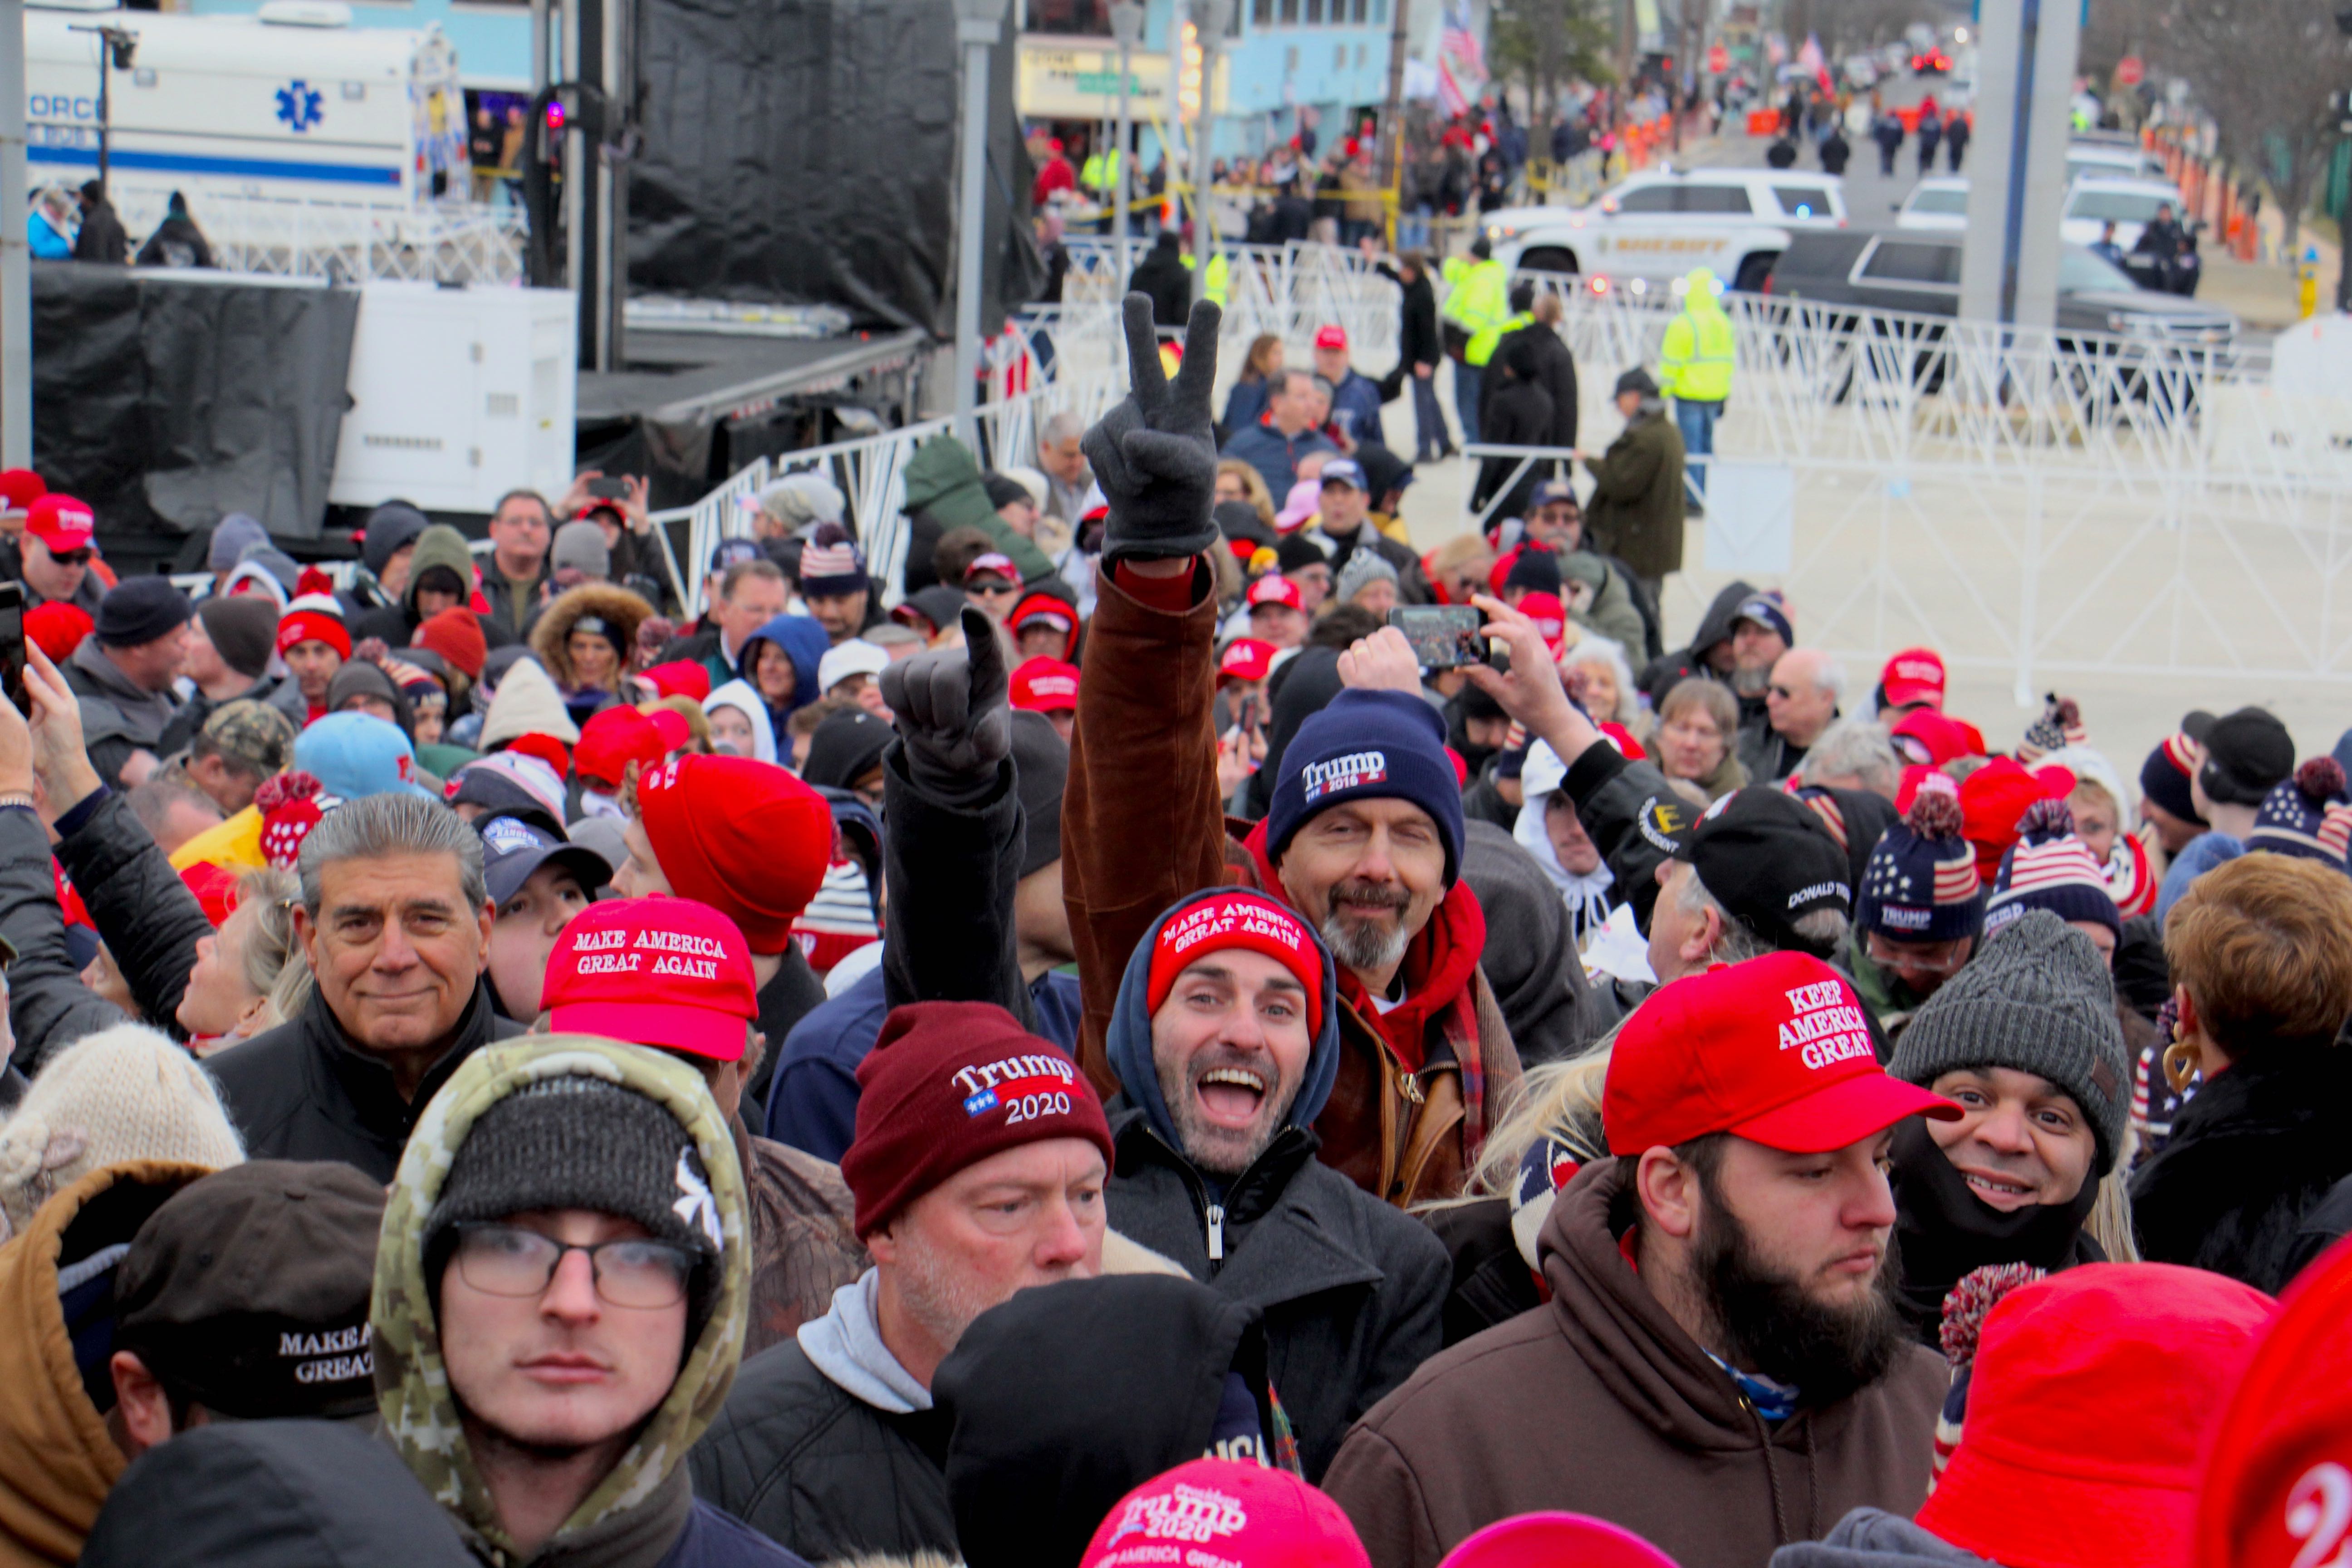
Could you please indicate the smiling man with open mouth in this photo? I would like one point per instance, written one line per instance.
(1226, 1035)
(2025, 1040)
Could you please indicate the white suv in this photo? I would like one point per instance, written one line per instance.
(1653, 228)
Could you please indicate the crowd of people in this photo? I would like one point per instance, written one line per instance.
(1122, 1058)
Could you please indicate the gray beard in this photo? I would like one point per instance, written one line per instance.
(1364, 947)
(1750, 683)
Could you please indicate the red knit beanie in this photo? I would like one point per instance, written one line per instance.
(456, 636)
(947, 1084)
(1238, 918)
(745, 837)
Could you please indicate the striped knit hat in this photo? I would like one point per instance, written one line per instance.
(1922, 883)
(2163, 777)
(2059, 726)
(831, 564)
(2308, 815)
(2049, 867)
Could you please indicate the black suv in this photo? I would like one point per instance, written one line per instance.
(1887, 289)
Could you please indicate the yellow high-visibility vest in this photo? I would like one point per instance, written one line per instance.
(1695, 362)
(1221, 272)
(1477, 298)
(1482, 344)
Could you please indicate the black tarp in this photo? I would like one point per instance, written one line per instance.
(805, 151)
(168, 402)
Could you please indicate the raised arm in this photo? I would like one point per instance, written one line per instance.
(1142, 821)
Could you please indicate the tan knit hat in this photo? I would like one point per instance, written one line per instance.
(124, 1093)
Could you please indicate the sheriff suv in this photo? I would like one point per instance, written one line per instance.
(1653, 228)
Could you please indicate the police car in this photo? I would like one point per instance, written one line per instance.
(1653, 228)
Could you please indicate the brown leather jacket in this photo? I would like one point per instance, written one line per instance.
(1143, 826)
(803, 1245)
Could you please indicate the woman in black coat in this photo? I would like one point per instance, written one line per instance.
(2261, 955)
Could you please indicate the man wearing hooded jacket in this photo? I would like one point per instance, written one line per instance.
(1226, 1033)
(1371, 852)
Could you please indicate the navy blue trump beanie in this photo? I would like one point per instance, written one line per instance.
(1368, 745)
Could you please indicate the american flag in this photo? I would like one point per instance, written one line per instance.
(1461, 63)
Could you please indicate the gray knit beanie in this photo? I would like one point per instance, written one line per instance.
(2035, 999)
(579, 1143)
(1366, 565)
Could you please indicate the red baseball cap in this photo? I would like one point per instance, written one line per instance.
(1915, 675)
(1775, 1051)
(2090, 1404)
(61, 522)
(19, 489)
(56, 629)
(2286, 1433)
(678, 678)
(673, 726)
(1045, 684)
(1273, 588)
(669, 973)
(1227, 1513)
(1334, 336)
(1936, 739)
(993, 564)
(1245, 658)
(1551, 1539)
(613, 738)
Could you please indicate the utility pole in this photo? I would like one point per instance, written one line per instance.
(1392, 112)
(15, 253)
(1127, 27)
(979, 25)
(116, 49)
(1210, 19)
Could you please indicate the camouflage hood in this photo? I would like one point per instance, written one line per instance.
(413, 1386)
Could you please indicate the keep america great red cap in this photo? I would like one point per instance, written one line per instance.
(1774, 1050)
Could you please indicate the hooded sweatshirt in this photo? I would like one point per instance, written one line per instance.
(1588, 895)
(738, 695)
(1600, 1403)
(943, 481)
(804, 640)
(56, 1331)
(527, 704)
(643, 1507)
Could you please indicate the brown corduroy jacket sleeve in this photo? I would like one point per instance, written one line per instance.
(1141, 821)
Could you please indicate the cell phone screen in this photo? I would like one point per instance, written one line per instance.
(1444, 636)
(11, 643)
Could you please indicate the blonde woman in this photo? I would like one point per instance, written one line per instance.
(1699, 730)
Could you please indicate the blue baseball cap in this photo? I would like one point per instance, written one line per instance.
(354, 755)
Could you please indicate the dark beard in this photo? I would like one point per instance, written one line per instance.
(1770, 1323)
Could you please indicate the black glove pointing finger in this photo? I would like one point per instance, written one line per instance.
(1155, 454)
(954, 711)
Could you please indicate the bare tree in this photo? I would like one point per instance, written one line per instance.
(2264, 71)
(1545, 45)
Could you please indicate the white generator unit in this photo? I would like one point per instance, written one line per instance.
(459, 396)
(253, 119)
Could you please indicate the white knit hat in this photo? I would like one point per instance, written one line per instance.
(123, 1093)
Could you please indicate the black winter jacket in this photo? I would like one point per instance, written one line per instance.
(1518, 413)
(1557, 375)
(953, 940)
(821, 1472)
(303, 1091)
(1418, 342)
(150, 921)
(1351, 1289)
(2258, 1149)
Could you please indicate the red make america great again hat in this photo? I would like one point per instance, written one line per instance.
(1775, 1051)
